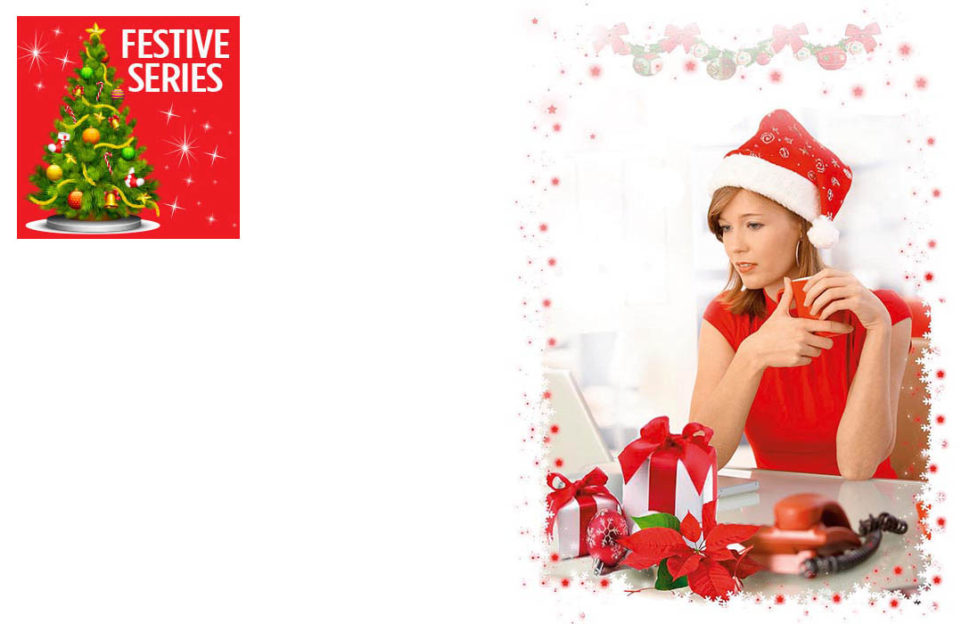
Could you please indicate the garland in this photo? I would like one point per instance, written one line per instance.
(54, 190)
(722, 63)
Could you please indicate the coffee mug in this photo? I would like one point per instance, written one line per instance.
(804, 311)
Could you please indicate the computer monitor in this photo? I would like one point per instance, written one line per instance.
(577, 441)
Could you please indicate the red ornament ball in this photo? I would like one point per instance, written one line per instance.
(603, 532)
(75, 199)
(831, 58)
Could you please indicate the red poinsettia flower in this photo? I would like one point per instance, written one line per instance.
(712, 568)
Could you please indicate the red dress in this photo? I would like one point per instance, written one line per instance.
(796, 412)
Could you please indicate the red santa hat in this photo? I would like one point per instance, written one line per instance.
(783, 162)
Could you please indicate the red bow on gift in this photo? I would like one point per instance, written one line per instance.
(676, 36)
(863, 35)
(655, 436)
(782, 36)
(613, 36)
(592, 483)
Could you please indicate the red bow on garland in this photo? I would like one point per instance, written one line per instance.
(685, 37)
(655, 436)
(782, 36)
(592, 483)
(612, 36)
(864, 35)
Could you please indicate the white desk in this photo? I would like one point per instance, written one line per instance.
(859, 499)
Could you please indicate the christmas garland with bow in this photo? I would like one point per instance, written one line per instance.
(722, 63)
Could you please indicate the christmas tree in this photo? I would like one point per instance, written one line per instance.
(94, 171)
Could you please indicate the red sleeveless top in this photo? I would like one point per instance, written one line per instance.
(793, 421)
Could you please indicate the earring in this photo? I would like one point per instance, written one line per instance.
(797, 247)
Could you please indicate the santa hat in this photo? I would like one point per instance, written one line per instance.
(783, 162)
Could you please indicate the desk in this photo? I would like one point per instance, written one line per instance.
(858, 498)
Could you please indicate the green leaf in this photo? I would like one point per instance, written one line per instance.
(665, 520)
(664, 580)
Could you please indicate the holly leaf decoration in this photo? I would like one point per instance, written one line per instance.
(665, 520)
(650, 546)
(665, 581)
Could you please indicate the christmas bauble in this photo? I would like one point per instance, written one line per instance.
(763, 58)
(803, 54)
(831, 58)
(74, 199)
(86, 72)
(91, 135)
(647, 64)
(128, 153)
(700, 50)
(855, 47)
(742, 58)
(603, 532)
(54, 173)
(117, 93)
(721, 68)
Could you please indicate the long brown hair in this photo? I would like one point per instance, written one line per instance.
(736, 297)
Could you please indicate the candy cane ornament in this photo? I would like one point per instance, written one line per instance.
(107, 154)
(72, 113)
(100, 85)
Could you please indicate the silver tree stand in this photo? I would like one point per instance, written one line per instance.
(65, 224)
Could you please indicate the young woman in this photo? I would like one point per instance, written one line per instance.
(806, 403)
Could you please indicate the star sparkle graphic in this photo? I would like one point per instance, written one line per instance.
(185, 147)
(174, 206)
(169, 114)
(35, 52)
(65, 60)
(214, 155)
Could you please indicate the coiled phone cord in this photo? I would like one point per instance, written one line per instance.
(872, 530)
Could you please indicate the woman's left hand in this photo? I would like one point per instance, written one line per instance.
(831, 290)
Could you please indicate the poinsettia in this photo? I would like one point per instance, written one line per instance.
(712, 568)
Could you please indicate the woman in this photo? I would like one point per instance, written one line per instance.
(806, 403)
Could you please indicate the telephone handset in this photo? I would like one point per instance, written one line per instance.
(812, 535)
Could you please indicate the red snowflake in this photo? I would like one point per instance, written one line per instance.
(904, 49)
(556, 127)
(546, 303)
(930, 140)
(932, 468)
(836, 598)
(857, 91)
(936, 192)
(940, 374)
(932, 243)
(593, 135)
(551, 342)
(941, 522)
(779, 599)
(775, 76)
(546, 395)
(898, 570)
(554, 428)
(595, 71)
(534, 20)
(690, 66)
(920, 83)
(894, 603)
(604, 582)
(551, 109)
(940, 419)
(554, 557)
(552, 261)
(937, 580)
(565, 582)
(543, 227)
(558, 462)
(555, 181)
(929, 276)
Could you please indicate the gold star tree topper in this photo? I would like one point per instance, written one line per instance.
(94, 31)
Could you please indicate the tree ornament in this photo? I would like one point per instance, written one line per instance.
(831, 58)
(77, 91)
(57, 148)
(132, 181)
(603, 533)
(100, 85)
(742, 58)
(721, 68)
(128, 153)
(763, 58)
(91, 135)
(647, 64)
(54, 173)
(98, 116)
(111, 201)
(700, 50)
(86, 72)
(114, 122)
(75, 199)
(95, 32)
(855, 47)
(803, 54)
(117, 93)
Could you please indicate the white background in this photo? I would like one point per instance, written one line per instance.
(319, 420)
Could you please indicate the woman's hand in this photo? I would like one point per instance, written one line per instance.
(831, 290)
(784, 340)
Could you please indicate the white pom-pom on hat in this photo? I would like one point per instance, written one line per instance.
(823, 233)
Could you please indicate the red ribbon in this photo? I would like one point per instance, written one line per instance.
(783, 35)
(663, 450)
(611, 36)
(592, 483)
(685, 37)
(863, 35)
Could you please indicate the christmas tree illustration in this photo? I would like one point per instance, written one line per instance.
(94, 172)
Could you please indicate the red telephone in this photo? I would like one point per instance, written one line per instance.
(812, 535)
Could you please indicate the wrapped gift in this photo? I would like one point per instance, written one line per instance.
(670, 473)
(572, 507)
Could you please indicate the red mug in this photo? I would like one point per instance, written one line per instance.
(805, 312)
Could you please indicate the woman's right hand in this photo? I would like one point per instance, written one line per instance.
(784, 340)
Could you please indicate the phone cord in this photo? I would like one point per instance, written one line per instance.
(871, 529)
